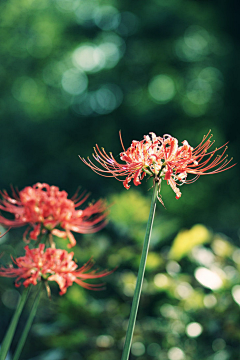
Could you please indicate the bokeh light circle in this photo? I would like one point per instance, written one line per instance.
(162, 88)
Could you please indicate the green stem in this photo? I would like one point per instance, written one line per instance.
(138, 288)
(25, 332)
(12, 327)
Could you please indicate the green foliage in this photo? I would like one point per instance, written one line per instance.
(123, 210)
(73, 73)
(188, 239)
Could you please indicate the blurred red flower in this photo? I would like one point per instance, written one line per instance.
(46, 208)
(162, 159)
(52, 265)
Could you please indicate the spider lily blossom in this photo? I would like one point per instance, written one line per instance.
(52, 265)
(46, 209)
(163, 159)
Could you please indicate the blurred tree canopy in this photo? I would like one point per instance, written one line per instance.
(73, 73)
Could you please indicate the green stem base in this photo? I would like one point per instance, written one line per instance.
(12, 327)
(140, 277)
(25, 332)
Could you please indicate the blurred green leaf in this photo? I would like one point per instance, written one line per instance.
(186, 240)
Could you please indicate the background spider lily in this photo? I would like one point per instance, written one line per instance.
(46, 209)
(52, 265)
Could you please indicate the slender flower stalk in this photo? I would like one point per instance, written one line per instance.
(140, 277)
(12, 327)
(47, 210)
(28, 324)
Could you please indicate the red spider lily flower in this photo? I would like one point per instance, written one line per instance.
(52, 265)
(45, 208)
(163, 159)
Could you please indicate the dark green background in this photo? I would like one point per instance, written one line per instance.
(190, 49)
